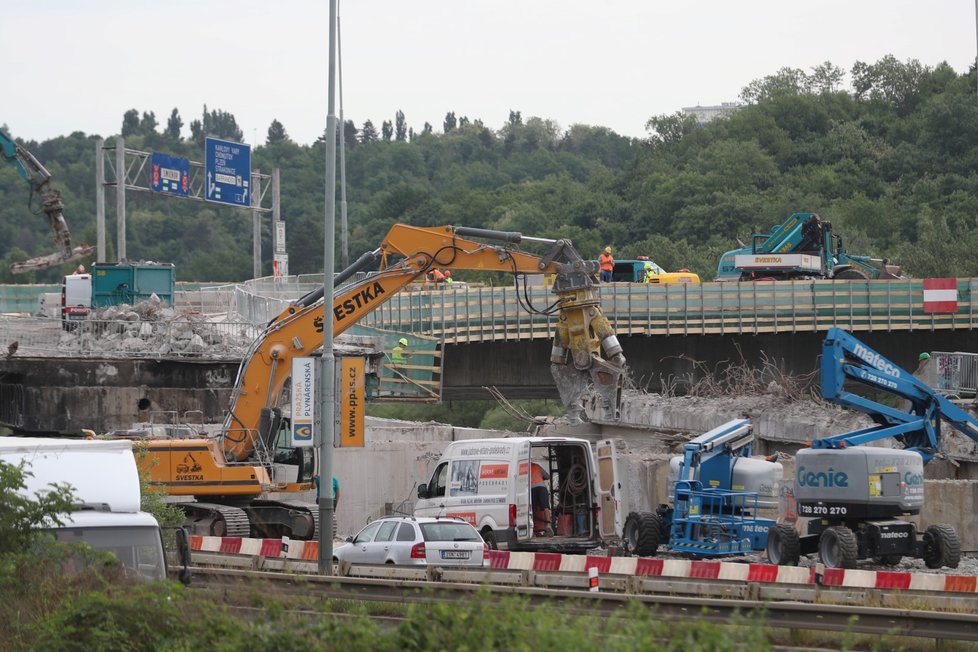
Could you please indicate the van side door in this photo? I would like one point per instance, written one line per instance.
(521, 494)
(609, 490)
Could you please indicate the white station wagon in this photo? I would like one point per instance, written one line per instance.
(415, 541)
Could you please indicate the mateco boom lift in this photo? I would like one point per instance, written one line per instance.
(855, 495)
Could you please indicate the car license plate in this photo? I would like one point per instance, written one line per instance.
(455, 554)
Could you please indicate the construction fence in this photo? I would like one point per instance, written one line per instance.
(482, 314)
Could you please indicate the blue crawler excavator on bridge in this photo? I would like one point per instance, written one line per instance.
(802, 247)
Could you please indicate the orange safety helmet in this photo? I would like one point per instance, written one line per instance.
(448, 273)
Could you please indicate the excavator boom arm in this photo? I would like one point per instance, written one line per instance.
(846, 358)
(24, 162)
(39, 178)
(406, 253)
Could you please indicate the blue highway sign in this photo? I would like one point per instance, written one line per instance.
(227, 167)
(171, 174)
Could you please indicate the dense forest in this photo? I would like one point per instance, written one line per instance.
(891, 160)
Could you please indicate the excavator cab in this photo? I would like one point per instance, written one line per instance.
(291, 464)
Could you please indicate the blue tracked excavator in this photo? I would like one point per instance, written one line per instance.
(802, 247)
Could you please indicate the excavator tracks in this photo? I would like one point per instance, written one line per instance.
(217, 520)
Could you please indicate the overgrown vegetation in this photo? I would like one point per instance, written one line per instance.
(490, 415)
(153, 498)
(22, 517)
(891, 160)
(743, 378)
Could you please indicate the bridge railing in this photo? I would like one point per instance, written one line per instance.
(464, 314)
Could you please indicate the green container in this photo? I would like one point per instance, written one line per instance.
(115, 283)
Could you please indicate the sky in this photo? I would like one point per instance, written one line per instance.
(75, 65)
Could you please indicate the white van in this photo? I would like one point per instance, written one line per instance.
(487, 482)
(76, 298)
(105, 485)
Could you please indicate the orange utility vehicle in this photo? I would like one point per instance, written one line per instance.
(226, 480)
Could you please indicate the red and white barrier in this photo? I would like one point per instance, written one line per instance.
(286, 548)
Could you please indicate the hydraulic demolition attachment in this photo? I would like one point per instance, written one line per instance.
(39, 178)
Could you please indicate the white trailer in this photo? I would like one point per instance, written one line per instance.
(105, 486)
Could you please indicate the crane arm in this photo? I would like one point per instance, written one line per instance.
(724, 443)
(405, 254)
(27, 166)
(39, 178)
(846, 358)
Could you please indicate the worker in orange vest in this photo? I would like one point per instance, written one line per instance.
(540, 498)
(607, 265)
(436, 276)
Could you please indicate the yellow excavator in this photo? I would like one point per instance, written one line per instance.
(226, 480)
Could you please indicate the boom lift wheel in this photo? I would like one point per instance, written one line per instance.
(942, 547)
(642, 533)
(837, 547)
(783, 545)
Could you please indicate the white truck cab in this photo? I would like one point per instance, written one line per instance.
(488, 483)
(105, 485)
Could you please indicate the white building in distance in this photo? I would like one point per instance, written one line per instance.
(706, 114)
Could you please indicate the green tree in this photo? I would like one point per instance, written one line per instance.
(891, 81)
(826, 78)
(22, 517)
(400, 127)
(174, 125)
(369, 133)
(786, 81)
(276, 133)
(217, 123)
(148, 123)
(130, 123)
(350, 133)
(669, 129)
(450, 122)
(386, 130)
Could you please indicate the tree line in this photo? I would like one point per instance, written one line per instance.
(890, 159)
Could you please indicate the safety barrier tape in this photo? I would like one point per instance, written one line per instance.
(286, 548)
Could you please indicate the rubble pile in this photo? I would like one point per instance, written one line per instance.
(152, 328)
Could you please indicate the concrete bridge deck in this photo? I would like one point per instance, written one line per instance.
(481, 337)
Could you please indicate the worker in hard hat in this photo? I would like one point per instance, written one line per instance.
(606, 263)
(398, 356)
(922, 360)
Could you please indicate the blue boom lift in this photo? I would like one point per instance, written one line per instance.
(856, 495)
(718, 491)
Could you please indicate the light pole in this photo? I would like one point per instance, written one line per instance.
(328, 395)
